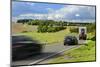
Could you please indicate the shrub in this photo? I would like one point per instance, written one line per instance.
(74, 30)
(91, 28)
(93, 38)
(45, 28)
(42, 28)
(51, 29)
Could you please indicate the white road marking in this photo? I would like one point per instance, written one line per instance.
(38, 61)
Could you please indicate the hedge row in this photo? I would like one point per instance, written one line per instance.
(74, 30)
(91, 28)
(49, 29)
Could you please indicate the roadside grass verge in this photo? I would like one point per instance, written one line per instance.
(84, 53)
(48, 38)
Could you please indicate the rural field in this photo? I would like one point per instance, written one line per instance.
(84, 53)
(48, 38)
(42, 37)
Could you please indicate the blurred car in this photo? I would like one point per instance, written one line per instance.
(70, 40)
(24, 46)
(82, 35)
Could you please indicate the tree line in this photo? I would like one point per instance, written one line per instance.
(53, 26)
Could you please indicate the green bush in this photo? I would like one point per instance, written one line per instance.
(93, 38)
(91, 28)
(42, 28)
(45, 28)
(51, 29)
(74, 30)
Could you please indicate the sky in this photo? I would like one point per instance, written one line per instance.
(51, 11)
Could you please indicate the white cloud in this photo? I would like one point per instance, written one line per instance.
(77, 15)
(60, 14)
(32, 16)
(63, 12)
(31, 4)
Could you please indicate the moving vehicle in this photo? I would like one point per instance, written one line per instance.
(24, 46)
(70, 40)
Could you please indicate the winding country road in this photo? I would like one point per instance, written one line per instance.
(48, 52)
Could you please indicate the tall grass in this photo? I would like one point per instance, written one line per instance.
(84, 53)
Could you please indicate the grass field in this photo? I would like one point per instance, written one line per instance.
(84, 53)
(31, 31)
(19, 28)
(47, 38)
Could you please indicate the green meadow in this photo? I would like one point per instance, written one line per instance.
(48, 38)
(84, 53)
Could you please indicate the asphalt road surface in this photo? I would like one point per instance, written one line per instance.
(48, 52)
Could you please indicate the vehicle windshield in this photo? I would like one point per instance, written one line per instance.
(21, 38)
